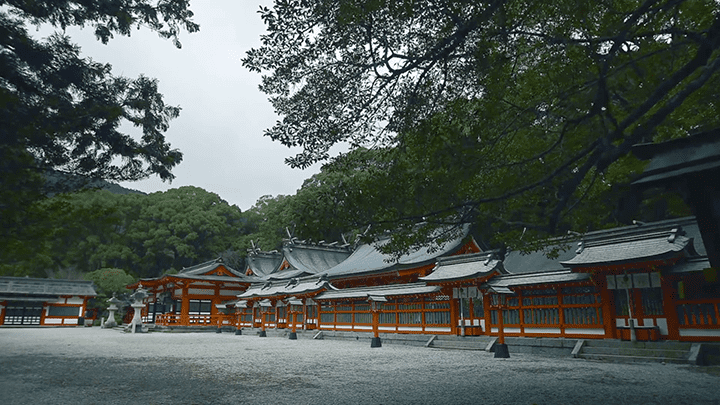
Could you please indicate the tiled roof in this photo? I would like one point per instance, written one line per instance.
(694, 264)
(517, 262)
(286, 274)
(23, 286)
(621, 245)
(226, 279)
(674, 159)
(291, 287)
(462, 267)
(517, 280)
(313, 259)
(207, 267)
(380, 291)
(367, 259)
(264, 263)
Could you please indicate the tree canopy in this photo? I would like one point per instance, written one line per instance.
(146, 235)
(62, 112)
(516, 114)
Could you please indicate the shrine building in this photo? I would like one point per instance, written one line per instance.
(43, 301)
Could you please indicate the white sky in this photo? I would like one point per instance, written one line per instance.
(220, 128)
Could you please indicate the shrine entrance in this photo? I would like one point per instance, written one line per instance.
(23, 313)
(471, 311)
(638, 298)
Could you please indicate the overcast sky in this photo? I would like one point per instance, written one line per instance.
(220, 128)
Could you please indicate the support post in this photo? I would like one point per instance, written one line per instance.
(262, 324)
(293, 333)
(501, 349)
(374, 306)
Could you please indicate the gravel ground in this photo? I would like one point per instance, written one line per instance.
(96, 366)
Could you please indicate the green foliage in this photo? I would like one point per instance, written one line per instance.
(268, 221)
(110, 281)
(517, 116)
(181, 227)
(147, 235)
(62, 112)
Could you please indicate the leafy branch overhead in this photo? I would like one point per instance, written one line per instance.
(61, 112)
(515, 113)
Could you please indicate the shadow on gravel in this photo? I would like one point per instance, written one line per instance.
(59, 380)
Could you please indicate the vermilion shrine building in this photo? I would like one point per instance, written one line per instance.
(653, 276)
(196, 295)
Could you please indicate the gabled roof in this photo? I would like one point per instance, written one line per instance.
(678, 158)
(291, 287)
(565, 248)
(657, 241)
(368, 259)
(19, 287)
(212, 270)
(211, 267)
(286, 274)
(393, 290)
(546, 277)
(312, 259)
(262, 264)
(517, 262)
(693, 264)
(463, 267)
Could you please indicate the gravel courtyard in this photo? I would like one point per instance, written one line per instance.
(96, 366)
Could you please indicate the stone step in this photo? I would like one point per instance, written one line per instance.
(632, 351)
(669, 345)
(458, 347)
(631, 359)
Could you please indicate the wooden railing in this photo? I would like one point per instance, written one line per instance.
(196, 320)
(702, 314)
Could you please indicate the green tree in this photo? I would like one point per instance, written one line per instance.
(110, 281)
(181, 227)
(81, 232)
(268, 221)
(146, 234)
(518, 115)
(61, 112)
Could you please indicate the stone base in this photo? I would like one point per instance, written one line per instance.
(292, 336)
(501, 351)
(238, 331)
(375, 342)
(262, 333)
(109, 324)
(219, 330)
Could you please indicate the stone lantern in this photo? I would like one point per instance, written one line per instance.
(110, 323)
(138, 304)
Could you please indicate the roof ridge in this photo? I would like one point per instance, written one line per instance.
(467, 257)
(636, 235)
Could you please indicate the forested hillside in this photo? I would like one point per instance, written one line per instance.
(146, 235)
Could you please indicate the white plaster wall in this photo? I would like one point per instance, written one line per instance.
(700, 332)
(201, 291)
(554, 331)
(582, 331)
(53, 321)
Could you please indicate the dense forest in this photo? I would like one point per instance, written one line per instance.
(146, 235)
